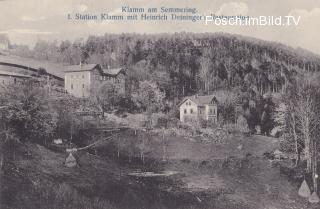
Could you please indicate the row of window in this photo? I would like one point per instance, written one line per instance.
(83, 86)
(105, 78)
(212, 111)
(101, 78)
(9, 81)
(191, 111)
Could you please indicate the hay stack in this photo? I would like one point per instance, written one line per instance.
(304, 190)
(314, 198)
(71, 161)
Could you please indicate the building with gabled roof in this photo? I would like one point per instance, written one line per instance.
(199, 108)
(81, 80)
(113, 72)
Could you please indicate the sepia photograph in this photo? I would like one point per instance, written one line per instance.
(159, 104)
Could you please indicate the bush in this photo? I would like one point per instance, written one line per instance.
(242, 124)
(167, 121)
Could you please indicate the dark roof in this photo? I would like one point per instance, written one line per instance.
(113, 72)
(199, 100)
(7, 73)
(82, 67)
(89, 67)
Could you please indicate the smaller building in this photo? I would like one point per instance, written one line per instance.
(10, 78)
(199, 108)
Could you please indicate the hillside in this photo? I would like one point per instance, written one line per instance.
(56, 69)
(186, 63)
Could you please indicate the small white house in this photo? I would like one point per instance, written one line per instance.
(57, 141)
(199, 107)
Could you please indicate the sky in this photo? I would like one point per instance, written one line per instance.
(26, 21)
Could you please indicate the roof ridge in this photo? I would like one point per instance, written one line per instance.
(199, 100)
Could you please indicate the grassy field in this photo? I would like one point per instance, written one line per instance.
(53, 68)
(211, 175)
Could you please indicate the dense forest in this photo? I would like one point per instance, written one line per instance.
(186, 63)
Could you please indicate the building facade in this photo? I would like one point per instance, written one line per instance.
(11, 78)
(199, 108)
(81, 80)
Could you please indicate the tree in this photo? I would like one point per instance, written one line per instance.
(286, 120)
(308, 120)
(68, 123)
(150, 97)
(204, 72)
(252, 117)
(303, 122)
(28, 112)
(267, 122)
(227, 110)
(41, 50)
(107, 96)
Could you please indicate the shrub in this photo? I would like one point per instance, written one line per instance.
(242, 124)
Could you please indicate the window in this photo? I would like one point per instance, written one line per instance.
(15, 80)
(71, 86)
(185, 111)
(200, 112)
(71, 76)
(83, 86)
(210, 111)
(191, 111)
(82, 75)
(101, 78)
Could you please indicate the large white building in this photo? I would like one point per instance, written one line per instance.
(81, 80)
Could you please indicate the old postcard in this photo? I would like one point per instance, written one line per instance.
(157, 104)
